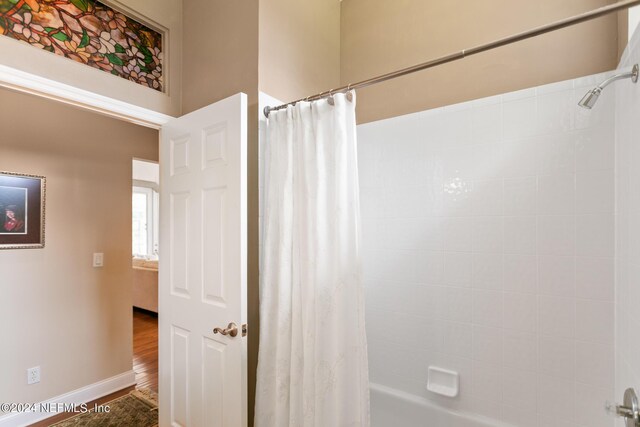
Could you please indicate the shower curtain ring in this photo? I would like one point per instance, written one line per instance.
(330, 99)
(349, 94)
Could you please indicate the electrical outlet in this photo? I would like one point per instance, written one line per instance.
(33, 375)
(98, 259)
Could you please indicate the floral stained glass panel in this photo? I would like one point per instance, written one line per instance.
(88, 32)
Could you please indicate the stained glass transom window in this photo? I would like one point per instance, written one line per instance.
(88, 32)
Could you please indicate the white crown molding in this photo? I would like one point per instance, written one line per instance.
(22, 81)
(79, 396)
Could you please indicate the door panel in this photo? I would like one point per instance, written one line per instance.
(203, 376)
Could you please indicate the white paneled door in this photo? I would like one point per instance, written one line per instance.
(203, 162)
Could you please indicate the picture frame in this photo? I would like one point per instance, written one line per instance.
(22, 210)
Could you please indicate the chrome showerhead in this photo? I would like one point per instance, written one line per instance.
(591, 97)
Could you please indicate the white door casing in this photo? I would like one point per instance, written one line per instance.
(203, 274)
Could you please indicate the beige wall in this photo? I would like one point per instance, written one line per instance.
(57, 312)
(219, 51)
(299, 47)
(379, 36)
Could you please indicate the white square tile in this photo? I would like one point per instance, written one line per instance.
(555, 396)
(486, 123)
(520, 389)
(556, 275)
(487, 308)
(371, 265)
(520, 195)
(556, 154)
(487, 271)
(595, 278)
(520, 312)
(595, 149)
(409, 297)
(595, 321)
(421, 300)
(520, 234)
(402, 234)
(515, 416)
(519, 158)
(458, 305)
(458, 339)
(595, 192)
(520, 350)
(457, 269)
(487, 197)
(487, 381)
(489, 158)
(487, 345)
(556, 235)
(406, 202)
(429, 335)
(520, 273)
(429, 301)
(429, 268)
(429, 233)
(457, 234)
(556, 357)
(556, 194)
(556, 112)
(595, 235)
(557, 316)
(398, 266)
(519, 118)
(458, 163)
(456, 126)
(488, 234)
(372, 202)
(588, 406)
(595, 364)
(456, 196)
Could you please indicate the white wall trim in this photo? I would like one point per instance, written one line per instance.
(22, 81)
(82, 395)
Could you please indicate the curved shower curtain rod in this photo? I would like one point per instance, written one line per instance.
(563, 23)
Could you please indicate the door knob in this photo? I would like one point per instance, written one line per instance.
(231, 330)
(629, 409)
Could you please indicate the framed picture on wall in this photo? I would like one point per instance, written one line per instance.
(22, 211)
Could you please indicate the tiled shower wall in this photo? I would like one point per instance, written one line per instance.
(488, 240)
(628, 227)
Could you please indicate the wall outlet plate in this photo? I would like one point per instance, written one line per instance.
(98, 259)
(33, 375)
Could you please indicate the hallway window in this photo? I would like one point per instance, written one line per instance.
(145, 224)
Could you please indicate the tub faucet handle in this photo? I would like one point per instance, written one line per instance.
(628, 410)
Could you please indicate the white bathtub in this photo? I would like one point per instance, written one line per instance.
(393, 408)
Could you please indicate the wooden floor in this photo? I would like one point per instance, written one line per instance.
(145, 349)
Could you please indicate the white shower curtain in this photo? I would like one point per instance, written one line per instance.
(312, 369)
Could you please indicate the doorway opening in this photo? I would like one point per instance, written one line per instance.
(145, 207)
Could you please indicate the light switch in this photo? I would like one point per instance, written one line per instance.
(98, 259)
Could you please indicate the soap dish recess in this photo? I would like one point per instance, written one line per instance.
(443, 382)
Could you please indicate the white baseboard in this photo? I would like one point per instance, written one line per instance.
(82, 395)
